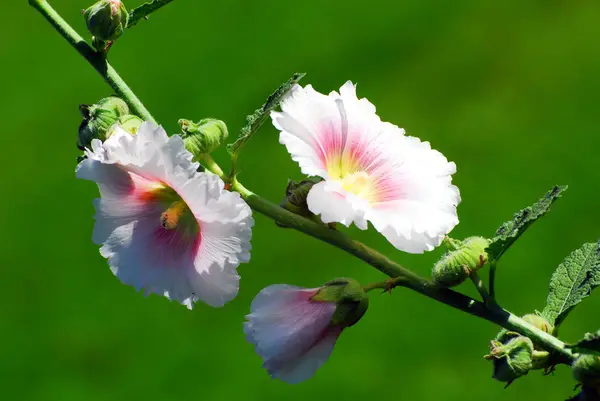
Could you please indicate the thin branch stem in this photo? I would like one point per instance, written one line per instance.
(144, 10)
(207, 161)
(386, 286)
(492, 281)
(479, 284)
(97, 60)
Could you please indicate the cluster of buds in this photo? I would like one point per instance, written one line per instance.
(515, 355)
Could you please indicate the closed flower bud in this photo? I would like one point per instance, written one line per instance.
(511, 360)
(106, 20)
(539, 322)
(203, 137)
(294, 330)
(540, 358)
(463, 258)
(128, 122)
(586, 370)
(295, 197)
(99, 118)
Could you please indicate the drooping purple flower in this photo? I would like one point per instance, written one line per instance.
(294, 329)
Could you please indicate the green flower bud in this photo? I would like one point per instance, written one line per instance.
(203, 137)
(540, 357)
(106, 20)
(114, 103)
(511, 360)
(586, 370)
(99, 118)
(351, 300)
(130, 123)
(295, 196)
(539, 322)
(463, 258)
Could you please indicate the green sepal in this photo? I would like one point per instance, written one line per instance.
(512, 359)
(510, 231)
(130, 123)
(351, 300)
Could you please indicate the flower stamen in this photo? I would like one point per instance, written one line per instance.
(169, 219)
(359, 183)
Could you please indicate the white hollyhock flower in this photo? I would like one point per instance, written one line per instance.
(293, 334)
(371, 170)
(164, 227)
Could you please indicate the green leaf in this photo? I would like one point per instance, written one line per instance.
(510, 231)
(573, 280)
(254, 121)
(142, 11)
(590, 344)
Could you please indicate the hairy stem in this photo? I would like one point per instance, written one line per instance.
(144, 10)
(97, 60)
(480, 287)
(492, 281)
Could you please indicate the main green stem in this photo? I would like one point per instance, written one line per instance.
(97, 60)
(400, 276)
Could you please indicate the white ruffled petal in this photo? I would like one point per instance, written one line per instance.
(372, 171)
(317, 129)
(335, 205)
(142, 177)
(418, 208)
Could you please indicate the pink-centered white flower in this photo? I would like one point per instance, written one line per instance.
(372, 172)
(164, 227)
(292, 333)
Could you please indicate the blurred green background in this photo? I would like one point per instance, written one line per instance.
(509, 90)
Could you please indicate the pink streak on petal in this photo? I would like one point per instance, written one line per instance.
(170, 247)
(387, 189)
(331, 141)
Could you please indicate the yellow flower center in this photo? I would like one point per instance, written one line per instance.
(169, 219)
(352, 179)
(177, 214)
(360, 184)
